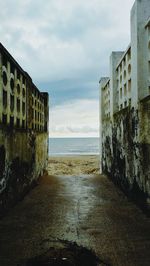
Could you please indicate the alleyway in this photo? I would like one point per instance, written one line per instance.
(89, 210)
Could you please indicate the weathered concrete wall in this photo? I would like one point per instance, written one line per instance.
(126, 150)
(125, 133)
(23, 131)
(23, 158)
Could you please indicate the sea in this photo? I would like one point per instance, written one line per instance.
(73, 146)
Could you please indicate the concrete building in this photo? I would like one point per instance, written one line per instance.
(125, 110)
(23, 130)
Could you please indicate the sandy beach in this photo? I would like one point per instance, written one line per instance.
(73, 165)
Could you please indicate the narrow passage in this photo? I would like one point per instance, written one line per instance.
(86, 209)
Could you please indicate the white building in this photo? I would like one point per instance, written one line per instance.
(125, 106)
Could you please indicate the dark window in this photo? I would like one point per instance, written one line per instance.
(12, 84)
(23, 124)
(11, 121)
(23, 92)
(18, 122)
(12, 103)
(18, 105)
(23, 108)
(4, 119)
(4, 78)
(18, 88)
(5, 99)
(2, 160)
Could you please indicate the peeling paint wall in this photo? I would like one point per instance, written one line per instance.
(23, 159)
(126, 150)
(23, 131)
(125, 116)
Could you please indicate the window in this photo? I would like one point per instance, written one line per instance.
(129, 69)
(120, 67)
(124, 74)
(149, 67)
(11, 103)
(130, 101)
(121, 93)
(129, 85)
(117, 83)
(23, 124)
(23, 108)
(23, 92)
(4, 99)
(125, 90)
(18, 88)
(4, 78)
(11, 121)
(18, 105)
(120, 78)
(124, 62)
(12, 84)
(4, 119)
(149, 45)
(129, 54)
(125, 104)
(18, 122)
(117, 71)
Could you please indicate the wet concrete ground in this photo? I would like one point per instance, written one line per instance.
(89, 210)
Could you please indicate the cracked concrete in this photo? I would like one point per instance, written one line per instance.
(86, 209)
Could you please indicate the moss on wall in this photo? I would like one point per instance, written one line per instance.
(23, 159)
(126, 151)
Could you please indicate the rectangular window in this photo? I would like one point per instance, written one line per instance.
(125, 89)
(129, 85)
(120, 93)
(4, 99)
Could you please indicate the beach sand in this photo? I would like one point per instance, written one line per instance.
(73, 165)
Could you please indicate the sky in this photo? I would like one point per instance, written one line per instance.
(65, 46)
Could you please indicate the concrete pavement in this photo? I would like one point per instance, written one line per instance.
(89, 210)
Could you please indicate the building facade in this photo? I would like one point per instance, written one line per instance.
(125, 110)
(23, 130)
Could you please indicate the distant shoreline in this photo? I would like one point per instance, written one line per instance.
(73, 147)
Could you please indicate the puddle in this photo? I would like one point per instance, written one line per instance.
(69, 254)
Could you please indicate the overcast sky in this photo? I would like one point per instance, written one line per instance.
(65, 46)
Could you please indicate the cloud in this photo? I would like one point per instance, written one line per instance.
(63, 91)
(65, 45)
(58, 39)
(77, 118)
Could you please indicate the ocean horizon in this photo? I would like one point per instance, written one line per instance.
(73, 146)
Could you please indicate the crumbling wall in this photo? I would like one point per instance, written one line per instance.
(126, 150)
(23, 131)
(23, 157)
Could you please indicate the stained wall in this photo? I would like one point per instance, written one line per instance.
(23, 131)
(125, 121)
